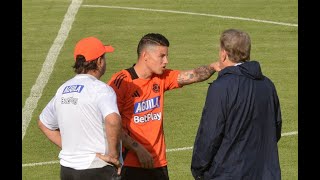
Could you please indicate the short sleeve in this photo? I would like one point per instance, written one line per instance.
(171, 79)
(48, 116)
(107, 102)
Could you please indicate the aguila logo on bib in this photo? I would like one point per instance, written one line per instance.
(146, 105)
(73, 88)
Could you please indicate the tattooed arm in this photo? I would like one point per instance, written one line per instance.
(198, 74)
(145, 158)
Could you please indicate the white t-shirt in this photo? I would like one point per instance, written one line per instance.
(79, 109)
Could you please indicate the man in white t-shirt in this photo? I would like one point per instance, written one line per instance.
(83, 118)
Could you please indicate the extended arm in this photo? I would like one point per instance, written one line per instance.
(198, 74)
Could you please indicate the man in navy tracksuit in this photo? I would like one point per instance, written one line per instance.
(241, 119)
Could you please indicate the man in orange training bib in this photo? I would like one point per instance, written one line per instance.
(140, 97)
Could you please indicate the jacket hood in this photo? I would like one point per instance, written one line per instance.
(250, 69)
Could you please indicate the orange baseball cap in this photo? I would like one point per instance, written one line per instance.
(91, 48)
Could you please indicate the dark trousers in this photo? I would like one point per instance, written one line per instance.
(104, 173)
(134, 173)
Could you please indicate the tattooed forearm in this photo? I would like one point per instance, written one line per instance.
(135, 144)
(203, 72)
(128, 142)
(196, 75)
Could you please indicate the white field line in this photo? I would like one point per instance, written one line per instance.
(40, 163)
(289, 133)
(47, 67)
(191, 147)
(191, 13)
(168, 150)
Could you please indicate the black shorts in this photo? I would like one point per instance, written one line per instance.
(134, 173)
(104, 173)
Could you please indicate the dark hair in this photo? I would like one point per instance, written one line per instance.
(152, 39)
(237, 44)
(81, 66)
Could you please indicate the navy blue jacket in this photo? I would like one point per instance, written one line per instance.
(239, 128)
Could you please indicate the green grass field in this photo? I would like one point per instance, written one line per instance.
(272, 25)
